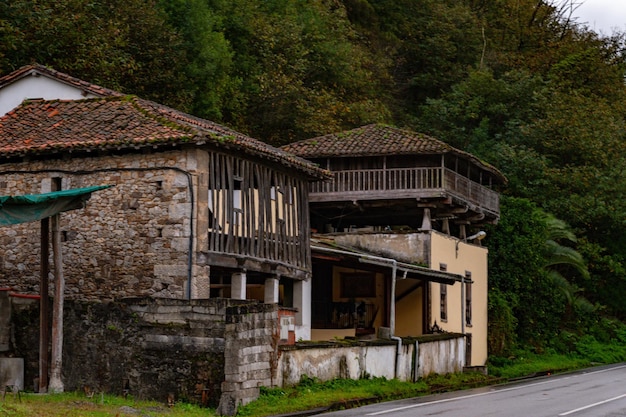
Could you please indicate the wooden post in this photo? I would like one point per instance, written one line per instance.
(44, 322)
(56, 384)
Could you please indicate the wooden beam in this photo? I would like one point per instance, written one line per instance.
(44, 322)
(56, 360)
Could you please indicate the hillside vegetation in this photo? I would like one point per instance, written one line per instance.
(516, 82)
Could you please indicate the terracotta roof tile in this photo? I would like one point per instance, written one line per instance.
(118, 122)
(378, 140)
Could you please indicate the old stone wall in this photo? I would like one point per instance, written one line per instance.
(133, 239)
(251, 346)
(145, 348)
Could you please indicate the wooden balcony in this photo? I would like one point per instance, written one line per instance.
(403, 183)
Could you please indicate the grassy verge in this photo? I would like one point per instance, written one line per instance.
(337, 394)
(310, 393)
(341, 393)
(77, 405)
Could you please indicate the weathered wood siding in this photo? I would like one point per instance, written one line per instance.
(257, 212)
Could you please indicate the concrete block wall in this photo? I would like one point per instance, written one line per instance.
(251, 347)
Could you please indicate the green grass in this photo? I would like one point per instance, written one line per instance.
(524, 364)
(341, 393)
(311, 393)
(78, 405)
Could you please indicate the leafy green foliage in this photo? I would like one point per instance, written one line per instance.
(211, 85)
(302, 71)
(120, 44)
(515, 82)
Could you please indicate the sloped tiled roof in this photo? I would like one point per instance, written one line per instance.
(37, 69)
(378, 140)
(41, 127)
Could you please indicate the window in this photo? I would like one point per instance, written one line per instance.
(443, 296)
(468, 298)
(56, 184)
(443, 302)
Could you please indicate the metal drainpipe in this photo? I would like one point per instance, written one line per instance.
(416, 353)
(191, 198)
(392, 317)
(463, 305)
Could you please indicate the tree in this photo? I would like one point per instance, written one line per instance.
(125, 45)
(302, 71)
(483, 110)
(560, 262)
(517, 276)
(211, 85)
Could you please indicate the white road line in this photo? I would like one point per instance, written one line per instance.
(491, 392)
(592, 405)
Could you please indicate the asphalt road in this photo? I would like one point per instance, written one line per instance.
(593, 392)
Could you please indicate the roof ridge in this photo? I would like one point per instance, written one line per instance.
(379, 139)
(121, 126)
(38, 69)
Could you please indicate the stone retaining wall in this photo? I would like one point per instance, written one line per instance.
(216, 352)
(145, 348)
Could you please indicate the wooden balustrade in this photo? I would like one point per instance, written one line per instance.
(400, 182)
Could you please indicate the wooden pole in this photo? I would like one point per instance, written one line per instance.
(56, 384)
(44, 322)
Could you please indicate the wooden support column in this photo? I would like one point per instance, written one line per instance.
(44, 322)
(445, 226)
(56, 360)
(462, 231)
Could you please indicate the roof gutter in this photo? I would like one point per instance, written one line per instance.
(395, 267)
(403, 267)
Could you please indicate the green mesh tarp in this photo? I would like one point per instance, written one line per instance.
(28, 208)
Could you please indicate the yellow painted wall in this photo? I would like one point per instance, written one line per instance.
(331, 334)
(459, 259)
(409, 309)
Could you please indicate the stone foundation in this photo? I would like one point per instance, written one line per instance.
(146, 348)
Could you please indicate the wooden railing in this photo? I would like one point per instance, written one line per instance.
(377, 181)
(343, 315)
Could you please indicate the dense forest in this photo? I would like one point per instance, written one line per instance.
(519, 83)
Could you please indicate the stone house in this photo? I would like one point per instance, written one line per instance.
(397, 240)
(199, 218)
(195, 211)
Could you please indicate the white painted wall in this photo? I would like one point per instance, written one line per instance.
(302, 302)
(334, 361)
(32, 87)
